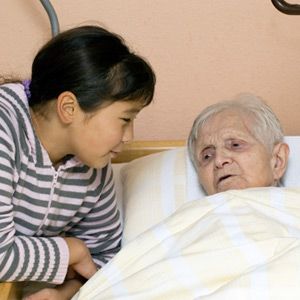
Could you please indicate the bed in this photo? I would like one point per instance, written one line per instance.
(158, 196)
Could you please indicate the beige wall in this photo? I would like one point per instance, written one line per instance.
(202, 52)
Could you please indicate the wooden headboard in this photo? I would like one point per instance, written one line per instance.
(136, 149)
(11, 290)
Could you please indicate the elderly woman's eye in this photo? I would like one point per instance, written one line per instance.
(237, 144)
(206, 155)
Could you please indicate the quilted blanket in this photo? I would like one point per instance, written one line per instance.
(234, 245)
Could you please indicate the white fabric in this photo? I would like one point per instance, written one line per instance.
(119, 187)
(153, 188)
(235, 245)
(292, 175)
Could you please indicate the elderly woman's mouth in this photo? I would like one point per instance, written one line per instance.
(223, 178)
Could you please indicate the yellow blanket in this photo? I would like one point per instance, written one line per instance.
(234, 245)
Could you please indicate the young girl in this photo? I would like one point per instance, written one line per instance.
(58, 133)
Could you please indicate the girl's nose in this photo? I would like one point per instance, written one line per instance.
(128, 134)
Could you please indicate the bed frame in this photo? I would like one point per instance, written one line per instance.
(11, 290)
(142, 148)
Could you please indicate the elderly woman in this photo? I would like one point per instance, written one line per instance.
(237, 144)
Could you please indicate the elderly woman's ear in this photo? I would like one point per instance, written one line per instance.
(279, 160)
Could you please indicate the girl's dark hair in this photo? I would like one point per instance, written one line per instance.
(95, 65)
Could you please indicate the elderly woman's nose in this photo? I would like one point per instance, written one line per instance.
(222, 158)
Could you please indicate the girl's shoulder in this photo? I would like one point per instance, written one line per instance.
(14, 108)
(13, 96)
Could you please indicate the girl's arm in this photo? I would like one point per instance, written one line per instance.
(23, 258)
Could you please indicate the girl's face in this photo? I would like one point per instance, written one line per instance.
(97, 138)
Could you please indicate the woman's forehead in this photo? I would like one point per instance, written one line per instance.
(227, 119)
(225, 125)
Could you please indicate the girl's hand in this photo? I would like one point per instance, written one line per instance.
(80, 263)
(80, 258)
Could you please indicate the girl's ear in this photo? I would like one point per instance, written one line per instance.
(66, 107)
(279, 160)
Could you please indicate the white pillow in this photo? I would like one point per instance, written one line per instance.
(154, 186)
(119, 186)
(292, 176)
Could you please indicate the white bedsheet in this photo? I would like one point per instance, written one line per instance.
(234, 245)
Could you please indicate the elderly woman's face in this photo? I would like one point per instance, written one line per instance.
(230, 157)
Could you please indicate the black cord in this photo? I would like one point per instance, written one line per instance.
(287, 8)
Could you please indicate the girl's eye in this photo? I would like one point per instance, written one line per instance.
(126, 120)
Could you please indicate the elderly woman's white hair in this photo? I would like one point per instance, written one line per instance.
(266, 127)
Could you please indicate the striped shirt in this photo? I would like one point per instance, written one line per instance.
(39, 204)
